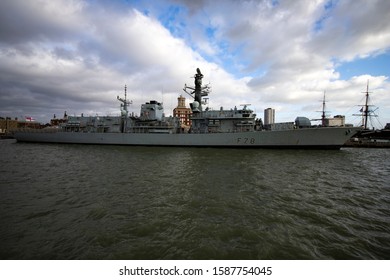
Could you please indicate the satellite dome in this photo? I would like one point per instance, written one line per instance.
(195, 104)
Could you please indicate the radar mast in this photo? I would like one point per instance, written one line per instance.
(124, 104)
(197, 92)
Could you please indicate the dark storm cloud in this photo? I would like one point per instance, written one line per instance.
(34, 21)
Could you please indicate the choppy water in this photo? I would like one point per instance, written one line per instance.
(111, 202)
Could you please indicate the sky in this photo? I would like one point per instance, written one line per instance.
(78, 55)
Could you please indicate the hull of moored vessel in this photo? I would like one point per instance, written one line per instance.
(327, 138)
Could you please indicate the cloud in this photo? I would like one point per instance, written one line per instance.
(78, 55)
(91, 66)
(33, 21)
(298, 57)
(86, 65)
(354, 29)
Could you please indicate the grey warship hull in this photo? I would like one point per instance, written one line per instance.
(306, 138)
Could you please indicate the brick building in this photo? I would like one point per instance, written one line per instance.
(182, 112)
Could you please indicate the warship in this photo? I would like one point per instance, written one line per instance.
(236, 127)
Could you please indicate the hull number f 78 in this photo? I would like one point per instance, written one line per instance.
(245, 140)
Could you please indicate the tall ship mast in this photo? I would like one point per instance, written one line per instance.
(327, 121)
(367, 137)
(365, 110)
(323, 113)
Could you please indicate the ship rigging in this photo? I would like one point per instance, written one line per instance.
(367, 110)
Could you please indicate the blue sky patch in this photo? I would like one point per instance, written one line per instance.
(375, 66)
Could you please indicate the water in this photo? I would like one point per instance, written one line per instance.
(112, 202)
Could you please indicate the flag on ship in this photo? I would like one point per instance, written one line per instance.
(29, 119)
